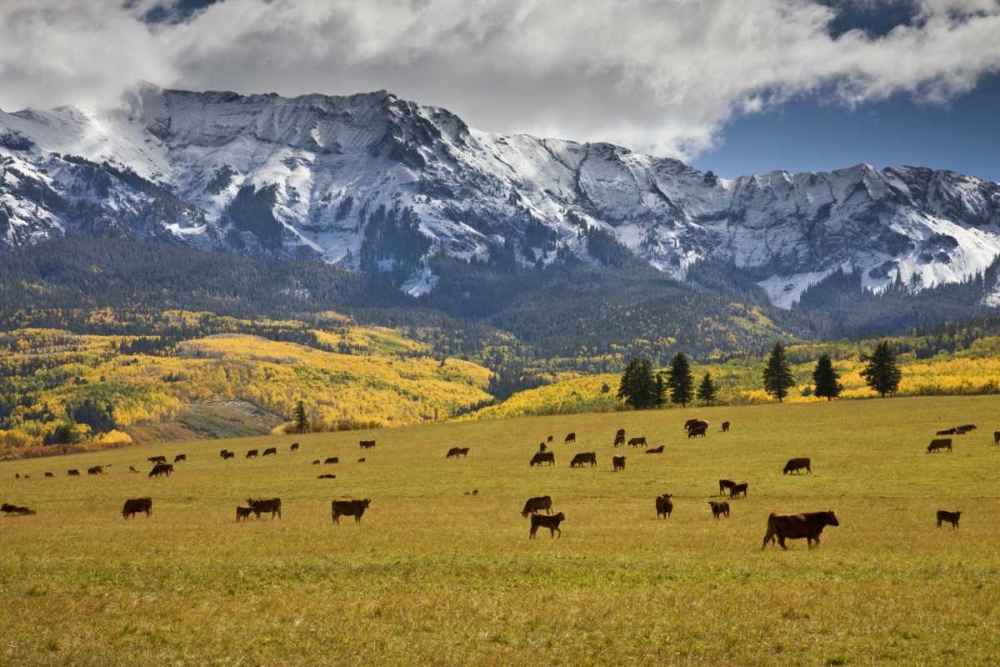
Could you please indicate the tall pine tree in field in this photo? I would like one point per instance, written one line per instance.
(679, 380)
(826, 379)
(301, 418)
(707, 390)
(660, 391)
(638, 387)
(778, 378)
(881, 372)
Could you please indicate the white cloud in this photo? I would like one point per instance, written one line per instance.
(657, 75)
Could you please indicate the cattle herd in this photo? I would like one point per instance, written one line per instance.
(780, 527)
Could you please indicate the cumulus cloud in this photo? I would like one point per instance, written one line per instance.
(658, 75)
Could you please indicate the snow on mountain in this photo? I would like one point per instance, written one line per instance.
(382, 184)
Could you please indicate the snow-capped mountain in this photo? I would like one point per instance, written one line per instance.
(382, 184)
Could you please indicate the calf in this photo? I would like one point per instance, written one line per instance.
(251, 454)
(719, 508)
(271, 451)
(327, 476)
(270, 506)
(795, 465)
(361, 460)
(542, 457)
(655, 450)
(157, 459)
(726, 485)
(294, 447)
(180, 457)
(330, 460)
(161, 469)
(664, 506)
(537, 504)
(636, 442)
(809, 525)
(618, 462)
(367, 444)
(582, 458)
(570, 437)
(135, 505)
(938, 444)
(7, 508)
(243, 513)
(739, 489)
(948, 517)
(550, 522)
(725, 427)
(456, 452)
(355, 508)
(698, 431)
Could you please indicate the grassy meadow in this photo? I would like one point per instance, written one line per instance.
(433, 576)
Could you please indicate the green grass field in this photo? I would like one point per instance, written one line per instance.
(432, 576)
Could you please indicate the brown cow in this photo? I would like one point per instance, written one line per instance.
(796, 526)
(968, 427)
(542, 447)
(456, 452)
(548, 439)
(620, 440)
(795, 465)
(944, 516)
(243, 513)
(698, 431)
(161, 469)
(618, 462)
(7, 508)
(95, 470)
(135, 505)
(367, 444)
(620, 433)
(584, 457)
(739, 489)
(361, 460)
(570, 437)
(726, 485)
(270, 451)
(227, 455)
(73, 473)
(327, 476)
(938, 444)
(655, 450)
(251, 454)
(636, 442)
(316, 462)
(537, 504)
(330, 460)
(542, 457)
(180, 457)
(725, 427)
(48, 474)
(690, 423)
(664, 506)
(294, 447)
(355, 508)
(550, 522)
(270, 505)
(719, 508)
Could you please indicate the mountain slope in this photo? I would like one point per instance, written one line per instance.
(382, 185)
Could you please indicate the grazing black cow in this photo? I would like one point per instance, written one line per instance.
(180, 457)
(795, 465)
(637, 441)
(95, 470)
(542, 457)
(620, 440)
(584, 457)
(251, 454)
(367, 444)
(331, 459)
(550, 522)
(270, 506)
(796, 526)
(618, 462)
(739, 490)
(938, 444)
(361, 460)
(537, 504)
(73, 473)
(944, 516)
(355, 508)
(243, 513)
(7, 508)
(132, 469)
(655, 450)
(947, 431)
(294, 447)
(228, 455)
(996, 437)
(719, 508)
(157, 459)
(271, 451)
(161, 469)
(48, 474)
(135, 505)
(570, 437)
(698, 431)
(664, 506)
(690, 423)
(725, 427)
(726, 486)
(327, 476)
(456, 452)
(968, 427)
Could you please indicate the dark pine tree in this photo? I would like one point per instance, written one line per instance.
(638, 387)
(778, 378)
(301, 418)
(826, 379)
(679, 380)
(881, 372)
(707, 390)
(660, 391)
